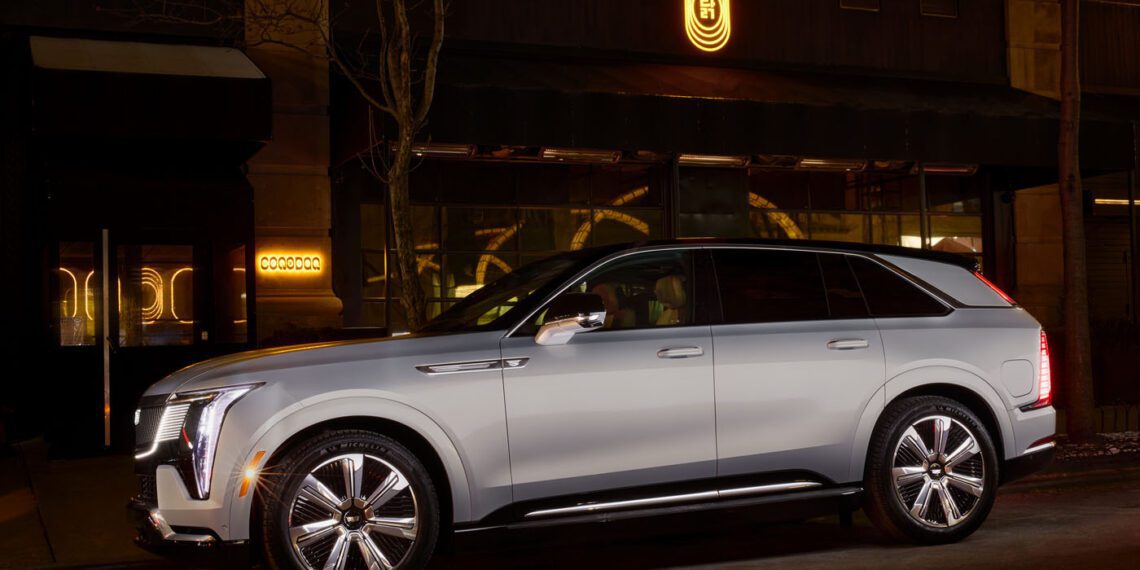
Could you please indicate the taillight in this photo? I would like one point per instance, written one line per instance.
(1045, 378)
(995, 288)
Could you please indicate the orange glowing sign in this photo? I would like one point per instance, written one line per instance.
(708, 23)
(289, 263)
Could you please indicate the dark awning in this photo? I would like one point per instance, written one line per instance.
(720, 110)
(150, 98)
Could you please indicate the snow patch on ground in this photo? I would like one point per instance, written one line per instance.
(1125, 443)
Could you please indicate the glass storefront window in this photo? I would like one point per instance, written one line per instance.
(428, 267)
(895, 229)
(155, 294)
(960, 194)
(779, 190)
(467, 272)
(232, 323)
(80, 293)
(373, 227)
(834, 226)
(552, 229)
(612, 225)
(773, 224)
(480, 229)
(957, 234)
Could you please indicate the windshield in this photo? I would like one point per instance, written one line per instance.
(505, 300)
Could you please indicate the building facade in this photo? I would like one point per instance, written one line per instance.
(179, 189)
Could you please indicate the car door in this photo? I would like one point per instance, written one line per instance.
(628, 405)
(797, 361)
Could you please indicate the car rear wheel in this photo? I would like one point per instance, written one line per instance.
(349, 499)
(932, 471)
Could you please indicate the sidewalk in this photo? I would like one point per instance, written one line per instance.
(66, 513)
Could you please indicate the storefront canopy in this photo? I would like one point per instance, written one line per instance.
(732, 111)
(154, 97)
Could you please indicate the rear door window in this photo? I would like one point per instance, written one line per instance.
(764, 286)
(890, 295)
(844, 298)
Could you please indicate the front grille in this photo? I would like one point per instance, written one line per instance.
(148, 424)
(159, 424)
(148, 489)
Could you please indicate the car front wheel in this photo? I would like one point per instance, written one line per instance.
(932, 471)
(349, 499)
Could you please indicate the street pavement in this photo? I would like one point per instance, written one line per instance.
(63, 514)
(1076, 516)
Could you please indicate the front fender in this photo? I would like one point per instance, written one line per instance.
(278, 429)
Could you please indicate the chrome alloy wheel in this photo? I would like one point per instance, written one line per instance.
(938, 471)
(353, 511)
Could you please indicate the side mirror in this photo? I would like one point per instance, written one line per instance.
(569, 315)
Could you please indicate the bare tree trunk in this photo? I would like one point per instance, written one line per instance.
(412, 297)
(1078, 363)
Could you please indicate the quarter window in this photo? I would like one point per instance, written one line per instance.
(763, 286)
(889, 295)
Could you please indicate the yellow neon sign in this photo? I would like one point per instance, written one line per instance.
(290, 263)
(708, 23)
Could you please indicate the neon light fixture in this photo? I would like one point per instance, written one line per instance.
(708, 23)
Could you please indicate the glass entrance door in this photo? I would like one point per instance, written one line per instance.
(170, 301)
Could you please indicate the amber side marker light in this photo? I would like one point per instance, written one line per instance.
(250, 473)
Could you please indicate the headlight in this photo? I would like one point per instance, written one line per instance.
(204, 412)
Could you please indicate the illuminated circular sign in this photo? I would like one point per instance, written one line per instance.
(708, 23)
(289, 263)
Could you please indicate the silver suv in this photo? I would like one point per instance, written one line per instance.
(615, 382)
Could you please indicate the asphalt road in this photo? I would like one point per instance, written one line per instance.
(1088, 521)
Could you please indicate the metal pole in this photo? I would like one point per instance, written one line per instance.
(922, 221)
(1132, 243)
(106, 339)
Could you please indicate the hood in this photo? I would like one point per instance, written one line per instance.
(249, 366)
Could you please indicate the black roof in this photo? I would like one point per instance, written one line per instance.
(963, 261)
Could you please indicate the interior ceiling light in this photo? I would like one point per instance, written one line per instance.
(890, 165)
(436, 150)
(580, 154)
(1114, 202)
(836, 164)
(946, 168)
(713, 160)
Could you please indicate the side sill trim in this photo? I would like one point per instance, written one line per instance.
(677, 508)
(670, 499)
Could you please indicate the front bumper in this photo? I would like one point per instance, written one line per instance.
(198, 546)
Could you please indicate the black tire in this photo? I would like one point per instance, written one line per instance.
(283, 482)
(884, 502)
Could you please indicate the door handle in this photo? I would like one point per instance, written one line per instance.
(680, 352)
(848, 344)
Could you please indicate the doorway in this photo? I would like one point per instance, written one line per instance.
(129, 307)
